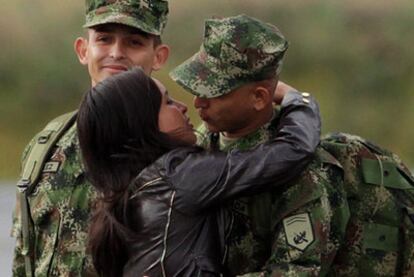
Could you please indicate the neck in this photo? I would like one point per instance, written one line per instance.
(254, 125)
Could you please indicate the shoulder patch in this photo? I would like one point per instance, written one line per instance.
(299, 231)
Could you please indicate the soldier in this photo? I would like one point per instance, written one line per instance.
(54, 199)
(294, 231)
(349, 214)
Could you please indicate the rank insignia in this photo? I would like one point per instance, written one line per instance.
(299, 231)
(51, 167)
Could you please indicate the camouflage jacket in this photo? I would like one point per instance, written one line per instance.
(380, 190)
(291, 232)
(60, 206)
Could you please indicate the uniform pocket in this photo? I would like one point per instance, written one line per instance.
(384, 173)
(380, 237)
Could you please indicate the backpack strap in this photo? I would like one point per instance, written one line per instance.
(32, 169)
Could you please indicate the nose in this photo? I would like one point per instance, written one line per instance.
(200, 102)
(117, 50)
(181, 106)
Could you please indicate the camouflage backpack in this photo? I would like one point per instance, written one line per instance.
(380, 190)
(33, 165)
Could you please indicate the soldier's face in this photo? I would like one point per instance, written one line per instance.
(232, 113)
(113, 48)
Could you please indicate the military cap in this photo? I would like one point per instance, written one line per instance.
(235, 51)
(149, 16)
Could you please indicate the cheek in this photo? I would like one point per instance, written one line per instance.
(170, 119)
(165, 120)
(162, 121)
(219, 110)
(226, 115)
(145, 60)
(95, 53)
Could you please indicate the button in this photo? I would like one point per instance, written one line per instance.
(43, 139)
(305, 94)
(305, 100)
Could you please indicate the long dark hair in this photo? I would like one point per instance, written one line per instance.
(119, 136)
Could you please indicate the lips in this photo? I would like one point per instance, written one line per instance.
(203, 116)
(191, 126)
(115, 67)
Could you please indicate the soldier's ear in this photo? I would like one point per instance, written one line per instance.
(81, 49)
(261, 97)
(162, 52)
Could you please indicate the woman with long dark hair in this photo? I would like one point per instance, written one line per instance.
(159, 207)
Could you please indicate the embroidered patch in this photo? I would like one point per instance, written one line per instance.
(51, 167)
(299, 231)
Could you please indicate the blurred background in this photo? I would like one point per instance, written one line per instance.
(355, 56)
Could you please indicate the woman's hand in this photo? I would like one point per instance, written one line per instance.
(280, 92)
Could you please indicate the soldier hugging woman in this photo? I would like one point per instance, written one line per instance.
(160, 209)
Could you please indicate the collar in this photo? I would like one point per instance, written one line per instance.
(261, 135)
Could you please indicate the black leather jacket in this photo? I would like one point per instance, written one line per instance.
(176, 204)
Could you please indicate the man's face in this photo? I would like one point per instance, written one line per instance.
(230, 113)
(113, 48)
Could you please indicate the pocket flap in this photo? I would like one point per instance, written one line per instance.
(380, 237)
(387, 175)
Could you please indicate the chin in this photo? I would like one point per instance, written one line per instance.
(213, 129)
(103, 77)
(193, 140)
(186, 138)
(189, 139)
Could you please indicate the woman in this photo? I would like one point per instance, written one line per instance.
(159, 211)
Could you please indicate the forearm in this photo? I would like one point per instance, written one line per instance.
(304, 122)
(269, 165)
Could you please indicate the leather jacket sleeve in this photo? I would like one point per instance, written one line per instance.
(204, 179)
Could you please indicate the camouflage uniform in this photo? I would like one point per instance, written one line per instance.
(295, 231)
(60, 202)
(259, 241)
(351, 213)
(380, 190)
(60, 207)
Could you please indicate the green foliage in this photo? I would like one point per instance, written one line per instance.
(355, 56)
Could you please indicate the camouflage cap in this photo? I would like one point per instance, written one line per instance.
(149, 16)
(235, 51)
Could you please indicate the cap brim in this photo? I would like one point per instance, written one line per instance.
(198, 79)
(124, 19)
